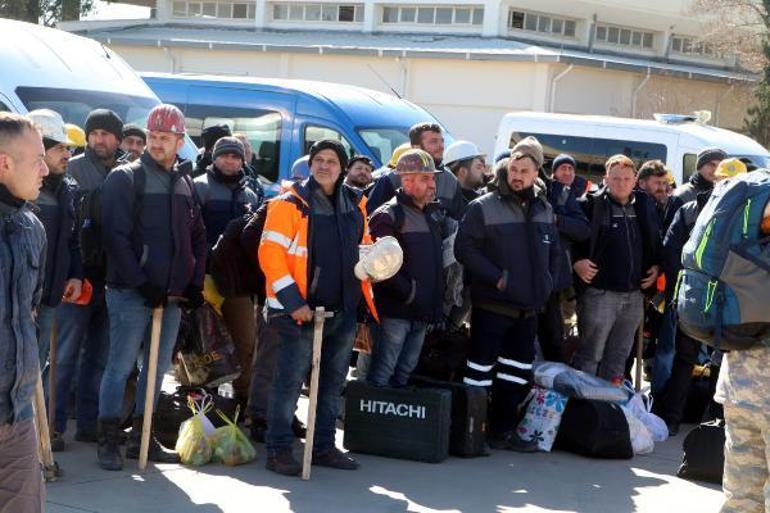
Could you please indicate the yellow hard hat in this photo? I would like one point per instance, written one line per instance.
(397, 154)
(729, 168)
(76, 135)
(670, 177)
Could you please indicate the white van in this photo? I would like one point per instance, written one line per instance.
(674, 139)
(49, 68)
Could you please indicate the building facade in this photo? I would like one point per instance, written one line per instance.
(468, 61)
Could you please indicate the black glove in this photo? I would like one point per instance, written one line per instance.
(194, 296)
(154, 296)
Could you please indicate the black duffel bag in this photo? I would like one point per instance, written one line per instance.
(597, 429)
(704, 456)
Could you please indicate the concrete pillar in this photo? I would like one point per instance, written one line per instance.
(492, 22)
(260, 14)
(370, 16)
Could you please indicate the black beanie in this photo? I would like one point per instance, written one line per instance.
(135, 131)
(709, 154)
(104, 119)
(211, 134)
(329, 144)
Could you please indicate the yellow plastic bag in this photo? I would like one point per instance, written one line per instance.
(193, 444)
(231, 446)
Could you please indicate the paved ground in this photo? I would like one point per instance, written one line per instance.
(501, 483)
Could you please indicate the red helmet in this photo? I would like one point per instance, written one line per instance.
(166, 118)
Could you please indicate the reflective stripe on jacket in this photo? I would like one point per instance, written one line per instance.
(284, 255)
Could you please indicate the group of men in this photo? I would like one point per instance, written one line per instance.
(95, 243)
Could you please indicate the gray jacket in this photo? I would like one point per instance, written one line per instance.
(22, 267)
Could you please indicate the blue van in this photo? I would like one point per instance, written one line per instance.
(282, 118)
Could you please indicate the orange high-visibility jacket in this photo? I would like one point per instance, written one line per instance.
(283, 251)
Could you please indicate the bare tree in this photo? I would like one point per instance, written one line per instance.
(735, 27)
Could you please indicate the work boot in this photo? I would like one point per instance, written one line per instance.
(511, 441)
(108, 449)
(57, 442)
(283, 462)
(156, 452)
(334, 458)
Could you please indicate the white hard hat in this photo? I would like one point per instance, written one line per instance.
(380, 261)
(51, 125)
(461, 150)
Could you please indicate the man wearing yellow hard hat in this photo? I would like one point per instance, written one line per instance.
(77, 138)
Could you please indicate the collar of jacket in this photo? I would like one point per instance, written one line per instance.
(700, 183)
(237, 181)
(147, 160)
(91, 155)
(403, 197)
(603, 193)
(9, 203)
(344, 194)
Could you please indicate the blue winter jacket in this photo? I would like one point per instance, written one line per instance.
(166, 245)
(56, 210)
(22, 265)
(502, 236)
(221, 202)
(416, 292)
(572, 225)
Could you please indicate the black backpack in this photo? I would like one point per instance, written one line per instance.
(233, 263)
(90, 214)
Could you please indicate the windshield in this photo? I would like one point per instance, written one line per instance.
(74, 106)
(382, 141)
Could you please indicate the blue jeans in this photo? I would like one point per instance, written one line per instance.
(291, 369)
(44, 319)
(130, 328)
(81, 348)
(396, 351)
(664, 351)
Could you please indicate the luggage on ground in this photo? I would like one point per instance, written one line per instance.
(229, 444)
(406, 423)
(443, 354)
(172, 410)
(468, 429)
(598, 429)
(704, 457)
(722, 297)
(575, 383)
(542, 417)
(206, 350)
(193, 445)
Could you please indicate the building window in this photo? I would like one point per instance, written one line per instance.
(690, 46)
(223, 10)
(344, 13)
(544, 24)
(434, 15)
(624, 36)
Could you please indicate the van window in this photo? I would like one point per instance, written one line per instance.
(591, 153)
(74, 105)
(315, 133)
(382, 141)
(4, 107)
(261, 127)
(689, 162)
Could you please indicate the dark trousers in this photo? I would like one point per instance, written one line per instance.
(238, 314)
(500, 357)
(678, 385)
(550, 329)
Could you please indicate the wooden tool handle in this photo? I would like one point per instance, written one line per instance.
(149, 396)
